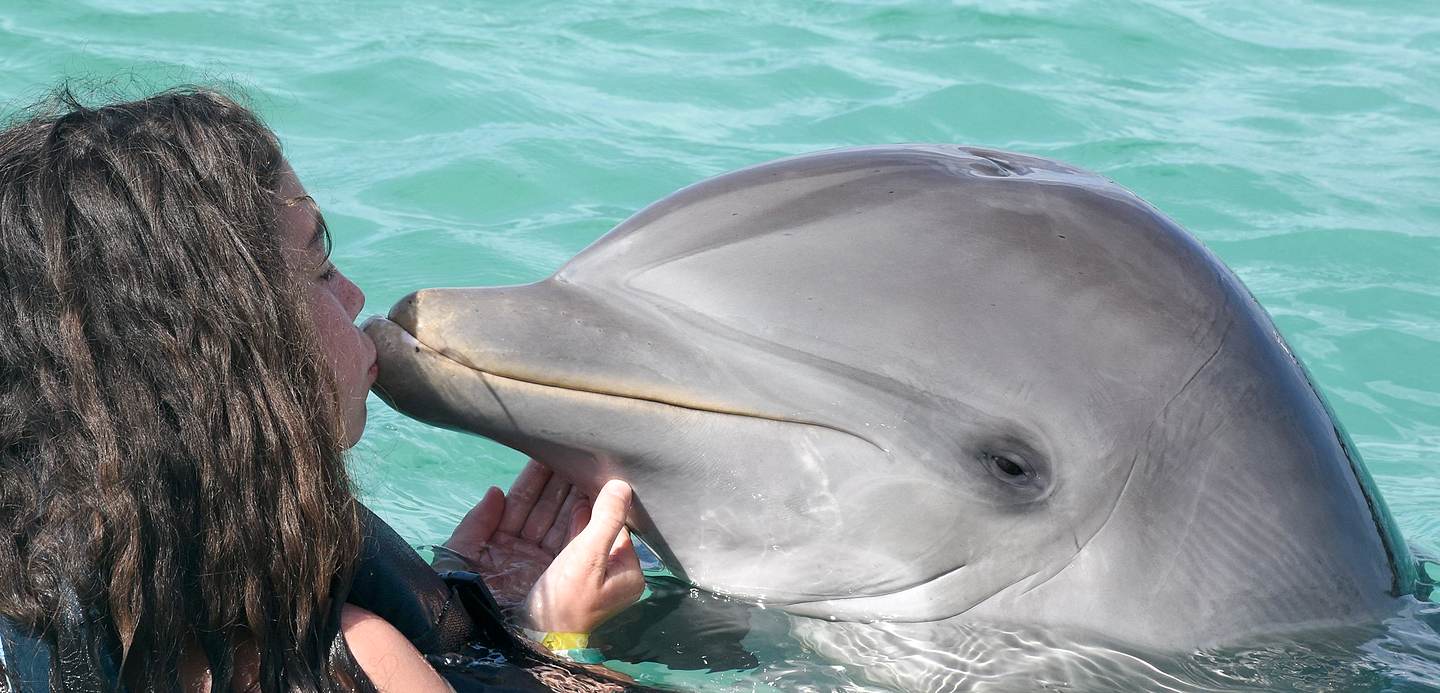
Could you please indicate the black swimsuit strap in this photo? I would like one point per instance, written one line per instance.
(81, 658)
(24, 660)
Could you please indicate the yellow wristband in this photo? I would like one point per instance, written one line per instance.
(556, 642)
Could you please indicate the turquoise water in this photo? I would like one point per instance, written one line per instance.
(485, 143)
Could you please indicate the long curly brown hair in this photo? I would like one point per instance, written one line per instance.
(170, 441)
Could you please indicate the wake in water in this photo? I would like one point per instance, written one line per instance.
(687, 638)
(1398, 655)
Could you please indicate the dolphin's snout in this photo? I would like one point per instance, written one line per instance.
(405, 312)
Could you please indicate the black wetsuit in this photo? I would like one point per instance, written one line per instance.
(446, 616)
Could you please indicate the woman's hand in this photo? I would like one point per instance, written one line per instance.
(596, 576)
(510, 539)
(515, 542)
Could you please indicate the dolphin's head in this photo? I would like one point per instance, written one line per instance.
(882, 383)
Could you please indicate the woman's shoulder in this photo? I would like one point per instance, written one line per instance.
(389, 659)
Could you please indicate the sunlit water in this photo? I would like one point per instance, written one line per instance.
(484, 143)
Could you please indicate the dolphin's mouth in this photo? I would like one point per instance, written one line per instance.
(618, 391)
(883, 606)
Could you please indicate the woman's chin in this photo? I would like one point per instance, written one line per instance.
(354, 429)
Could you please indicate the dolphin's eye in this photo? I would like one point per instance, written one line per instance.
(1008, 468)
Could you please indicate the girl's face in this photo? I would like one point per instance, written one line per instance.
(333, 302)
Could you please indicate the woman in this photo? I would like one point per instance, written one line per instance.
(179, 377)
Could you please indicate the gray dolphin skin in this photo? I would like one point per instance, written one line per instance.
(926, 383)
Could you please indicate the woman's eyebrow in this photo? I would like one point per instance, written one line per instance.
(320, 227)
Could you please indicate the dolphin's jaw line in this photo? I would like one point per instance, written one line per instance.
(883, 606)
(464, 362)
(860, 608)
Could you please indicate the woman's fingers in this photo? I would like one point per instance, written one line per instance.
(624, 578)
(607, 519)
(478, 525)
(578, 520)
(546, 509)
(560, 530)
(622, 545)
(596, 575)
(522, 496)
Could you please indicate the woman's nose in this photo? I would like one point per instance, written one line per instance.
(352, 297)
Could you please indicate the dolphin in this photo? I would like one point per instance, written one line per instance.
(921, 384)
